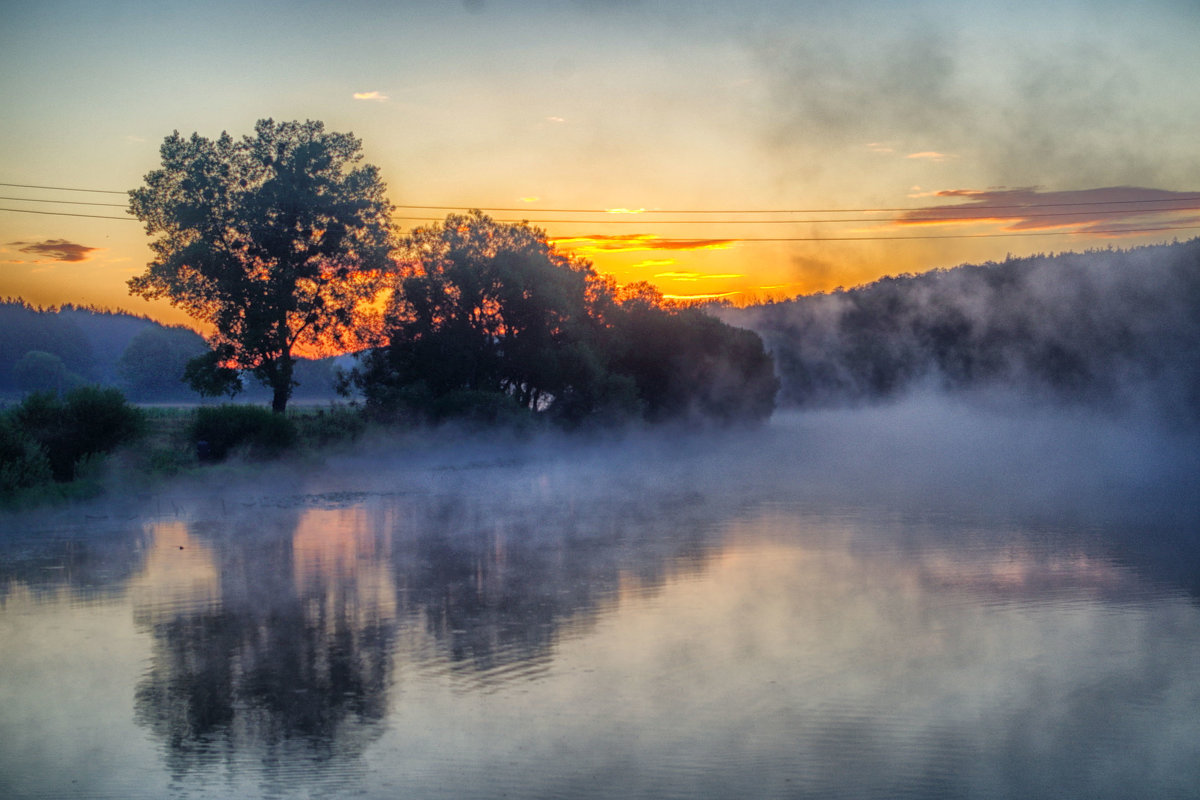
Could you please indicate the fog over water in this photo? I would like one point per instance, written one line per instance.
(932, 597)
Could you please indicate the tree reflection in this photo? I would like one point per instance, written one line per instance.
(497, 583)
(296, 644)
(278, 662)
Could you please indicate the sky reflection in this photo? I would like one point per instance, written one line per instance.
(555, 627)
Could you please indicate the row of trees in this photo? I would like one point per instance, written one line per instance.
(283, 241)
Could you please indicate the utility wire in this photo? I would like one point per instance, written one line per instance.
(910, 220)
(751, 239)
(1189, 199)
(64, 202)
(916, 220)
(66, 214)
(62, 188)
(1194, 198)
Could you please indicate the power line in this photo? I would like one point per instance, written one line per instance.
(62, 188)
(751, 239)
(911, 220)
(1193, 198)
(66, 214)
(63, 202)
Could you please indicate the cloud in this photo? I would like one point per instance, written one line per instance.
(638, 242)
(1112, 209)
(695, 297)
(697, 276)
(378, 97)
(555, 119)
(56, 249)
(931, 155)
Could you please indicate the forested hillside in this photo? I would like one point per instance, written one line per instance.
(62, 348)
(1107, 327)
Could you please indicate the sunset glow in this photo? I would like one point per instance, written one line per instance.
(797, 149)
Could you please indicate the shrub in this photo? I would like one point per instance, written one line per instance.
(217, 430)
(325, 426)
(88, 421)
(23, 461)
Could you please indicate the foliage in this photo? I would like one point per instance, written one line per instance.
(39, 371)
(326, 426)
(1102, 328)
(152, 366)
(276, 240)
(226, 427)
(23, 461)
(208, 374)
(24, 328)
(485, 309)
(88, 421)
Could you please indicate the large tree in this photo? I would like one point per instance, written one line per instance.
(275, 241)
(483, 308)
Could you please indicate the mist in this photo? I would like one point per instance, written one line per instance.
(1113, 331)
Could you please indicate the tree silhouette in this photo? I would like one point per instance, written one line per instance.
(487, 315)
(275, 241)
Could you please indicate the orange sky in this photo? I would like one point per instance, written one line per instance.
(827, 144)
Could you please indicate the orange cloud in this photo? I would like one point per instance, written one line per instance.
(378, 97)
(637, 242)
(697, 297)
(696, 276)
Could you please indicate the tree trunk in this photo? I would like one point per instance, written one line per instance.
(280, 398)
(281, 383)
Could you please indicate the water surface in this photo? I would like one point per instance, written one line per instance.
(881, 604)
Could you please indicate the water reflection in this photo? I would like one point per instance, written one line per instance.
(281, 625)
(703, 622)
(284, 644)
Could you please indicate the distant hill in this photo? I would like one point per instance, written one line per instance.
(1107, 327)
(140, 356)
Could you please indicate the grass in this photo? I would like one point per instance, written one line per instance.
(167, 447)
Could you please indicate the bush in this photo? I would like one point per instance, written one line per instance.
(326, 426)
(23, 461)
(217, 430)
(89, 421)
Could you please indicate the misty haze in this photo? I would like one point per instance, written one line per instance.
(977, 578)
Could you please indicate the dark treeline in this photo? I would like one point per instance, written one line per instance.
(61, 348)
(1103, 328)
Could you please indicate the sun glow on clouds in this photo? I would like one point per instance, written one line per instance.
(1112, 210)
(931, 155)
(697, 276)
(378, 97)
(637, 242)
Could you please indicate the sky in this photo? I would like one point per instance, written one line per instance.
(745, 150)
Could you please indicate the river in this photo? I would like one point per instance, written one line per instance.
(919, 601)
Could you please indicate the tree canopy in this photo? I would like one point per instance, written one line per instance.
(485, 314)
(275, 241)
